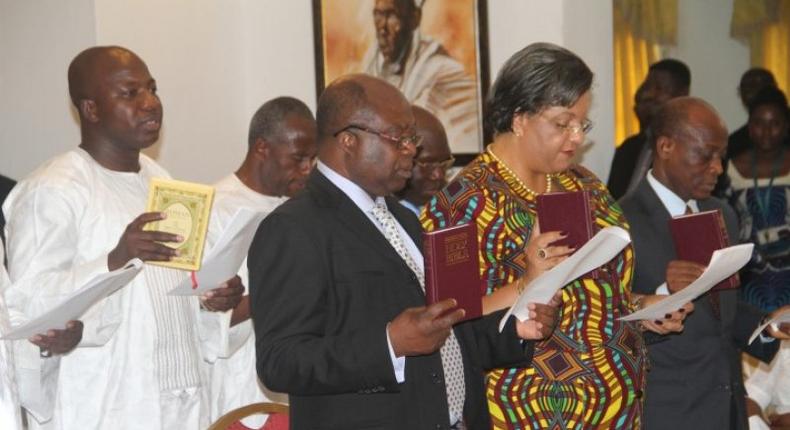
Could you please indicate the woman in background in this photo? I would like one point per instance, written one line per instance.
(760, 192)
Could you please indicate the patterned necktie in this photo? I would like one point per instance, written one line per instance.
(451, 350)
(713, 296)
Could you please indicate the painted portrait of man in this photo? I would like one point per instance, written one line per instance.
(426, 48)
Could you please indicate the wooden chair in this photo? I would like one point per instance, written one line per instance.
(235, 415)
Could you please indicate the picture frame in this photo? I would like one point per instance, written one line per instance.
(439, 60)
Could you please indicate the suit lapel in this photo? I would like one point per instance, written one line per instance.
(350, 215)
(659, 215)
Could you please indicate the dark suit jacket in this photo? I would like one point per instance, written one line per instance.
(624, 163)
(695, 378)
(324, 283)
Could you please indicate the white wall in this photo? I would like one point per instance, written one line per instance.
(38, 39)
(716, 60)
(215, 62)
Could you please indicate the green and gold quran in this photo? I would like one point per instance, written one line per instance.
(188, 207)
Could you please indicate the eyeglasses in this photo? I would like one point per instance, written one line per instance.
(432, 165)
(583, 128)
(402, 143)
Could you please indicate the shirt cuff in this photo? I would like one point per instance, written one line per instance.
(398, 363)
(662, 290)
(757, 423)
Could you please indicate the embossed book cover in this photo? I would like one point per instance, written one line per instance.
(697, 235)
(452, 268)
(188, 207)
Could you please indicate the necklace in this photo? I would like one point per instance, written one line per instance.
(529, 190)
(764, 198)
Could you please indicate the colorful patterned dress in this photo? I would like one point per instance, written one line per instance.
(589, 374)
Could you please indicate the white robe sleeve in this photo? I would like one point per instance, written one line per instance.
(42, 237)
(10, 416)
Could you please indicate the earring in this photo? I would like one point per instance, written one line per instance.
(517, 133)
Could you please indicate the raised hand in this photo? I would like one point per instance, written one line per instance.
(224, 298)
(55, 342)
(680, 274)
(672, 322)
(423, 330)
(145, 245)
(542, 319)
(782, 331)
(541, 256)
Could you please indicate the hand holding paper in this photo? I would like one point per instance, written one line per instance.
(59, 341)
(723, 264)
(97, 289)
(599, 250)
(779, 316)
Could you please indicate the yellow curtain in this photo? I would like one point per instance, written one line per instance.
(765, 26)
(640, 28)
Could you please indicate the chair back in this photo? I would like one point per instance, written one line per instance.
(235, 415)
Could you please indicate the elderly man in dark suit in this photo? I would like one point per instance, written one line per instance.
(336, 274)
(695, 381)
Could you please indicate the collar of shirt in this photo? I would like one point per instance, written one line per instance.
(410, 206)
(365, 203)
(354, 192)
(674, 204)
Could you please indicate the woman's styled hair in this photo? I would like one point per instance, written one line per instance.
(537, 77)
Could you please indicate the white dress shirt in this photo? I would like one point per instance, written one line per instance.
(675, 206)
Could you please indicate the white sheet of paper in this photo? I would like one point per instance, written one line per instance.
(224, 259)
(77, 303)
(599, 250)
(784, 317)
(723, 264)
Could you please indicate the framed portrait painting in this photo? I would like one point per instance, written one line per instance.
(434, 51)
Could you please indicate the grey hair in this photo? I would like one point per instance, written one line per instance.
(267, 121)
(535, 78)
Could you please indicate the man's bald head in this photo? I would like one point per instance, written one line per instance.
(348, 100)
(91, 65)
(689, 141)
(432, 161)
(684, 118)
(116, 98)
(366, 133)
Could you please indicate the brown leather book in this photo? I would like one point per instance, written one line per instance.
(452, 268)
(568, 212)
(697, 235)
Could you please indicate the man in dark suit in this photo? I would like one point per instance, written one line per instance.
(340, 318)
(695, 378)
(666, 79)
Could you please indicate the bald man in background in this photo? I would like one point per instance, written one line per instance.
(433, 159)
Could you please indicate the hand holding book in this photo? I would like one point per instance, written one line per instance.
(143, 244)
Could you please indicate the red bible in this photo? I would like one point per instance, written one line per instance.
(452, 269)
(569, 212)
(697, 235)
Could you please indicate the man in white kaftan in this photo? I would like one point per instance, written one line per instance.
(281, 152)
(424, 72)
(139, 363)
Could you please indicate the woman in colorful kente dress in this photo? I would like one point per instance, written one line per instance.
(760, 193)
(589, 374)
